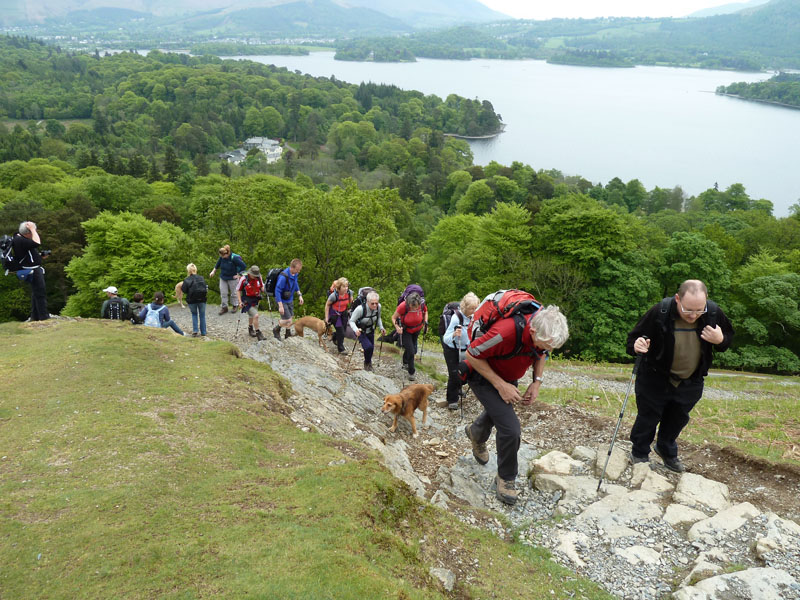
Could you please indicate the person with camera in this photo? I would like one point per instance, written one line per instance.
(25, 245)
(455, 342)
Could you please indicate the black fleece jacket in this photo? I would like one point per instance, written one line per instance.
(661, 331)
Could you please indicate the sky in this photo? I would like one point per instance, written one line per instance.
(548, 9)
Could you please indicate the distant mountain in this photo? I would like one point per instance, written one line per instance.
(726, 9)
(416, 13)
(434, 13)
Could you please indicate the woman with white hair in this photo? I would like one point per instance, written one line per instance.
(455, 342)
(364, 320)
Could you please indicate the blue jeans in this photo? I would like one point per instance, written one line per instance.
(173, 325)
(198, 309)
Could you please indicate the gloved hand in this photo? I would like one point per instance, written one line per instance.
(425, 329)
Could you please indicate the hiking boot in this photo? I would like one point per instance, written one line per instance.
(288, 333)
(479, 450)
(276, 331)
(411, 377)
(251, 331)
(367, 366)
(506, 492)
(195, 334)
(453, 406)
(260, 335)
(223, 310)
(635, 460)
(673, 463)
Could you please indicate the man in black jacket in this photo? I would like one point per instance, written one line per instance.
(26, 251)
(677, 337)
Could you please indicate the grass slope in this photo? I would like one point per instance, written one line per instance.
(138, 464)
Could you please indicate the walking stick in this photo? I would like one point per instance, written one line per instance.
(238, 320)
(380, 348)
(351, 354)
(619, 421)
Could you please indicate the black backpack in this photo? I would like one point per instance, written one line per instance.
(272, 280)
(117, 310)
(450, 309)
(198, 290)
(10, 263)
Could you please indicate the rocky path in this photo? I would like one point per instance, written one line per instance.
(727, 529)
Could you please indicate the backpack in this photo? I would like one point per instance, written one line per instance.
(410, 289)
(117, 310)
(252, 288)
(10, 263)
(335, 304)
(361, 298)
(450, 309)
(272, 280)
(153, 317)
(198, 290)
(504, 304)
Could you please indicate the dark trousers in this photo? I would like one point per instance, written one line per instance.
(339, 325)
(368, 344)
(38, 296)
(409, 342)
(452, 357)
(664, 406)
(502, 417)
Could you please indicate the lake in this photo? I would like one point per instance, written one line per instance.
(663, 126)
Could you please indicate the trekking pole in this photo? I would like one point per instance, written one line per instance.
(619, 421)
(238, 320)
(351, 354)
(422, 347)
(380, 349)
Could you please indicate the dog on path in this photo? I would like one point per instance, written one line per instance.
(406, 402)
(320, 327)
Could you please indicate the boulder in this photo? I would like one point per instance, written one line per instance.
(617, 462)
(680, 516)
(723, 523)
(557, 463)
(567, 545)
(584, 454)
(658, 484)
(396, 460)
(698, 492)
(445, 576)
(636, 555)
(622, 509)
(640, 471)
(758, 583)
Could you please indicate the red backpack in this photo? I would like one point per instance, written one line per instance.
(504, 304)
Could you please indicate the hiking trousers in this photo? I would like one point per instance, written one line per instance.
(502, 417)
(38, 295)
(664, 406)
(452, 357)
(228, 286)
(409, 342)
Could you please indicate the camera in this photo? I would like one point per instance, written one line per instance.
(45, 253)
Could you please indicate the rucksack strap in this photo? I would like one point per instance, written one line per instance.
(520, 322)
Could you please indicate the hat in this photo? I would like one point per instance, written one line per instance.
(254, 271)
(111, 289)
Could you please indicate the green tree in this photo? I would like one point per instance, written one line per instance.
(131, 252)
(693, 256)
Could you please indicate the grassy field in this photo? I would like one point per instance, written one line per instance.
(138, 464)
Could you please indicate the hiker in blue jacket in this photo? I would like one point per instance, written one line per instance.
(455, 341)
(285, 288)
(231, 267)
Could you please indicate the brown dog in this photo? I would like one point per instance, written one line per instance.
(406, 402)
(318, 325)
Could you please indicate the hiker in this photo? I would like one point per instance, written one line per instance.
(25, 245)
(248, 295)
(137, 304)
(677, 337)
(410, 317)
(156, 314)
(455, 342)
(115, 307)
(364, 320)
(336, 312)
(231, 268)
(196, 290)
(285, 289)
(494, 382)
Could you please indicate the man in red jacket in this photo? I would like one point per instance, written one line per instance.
(498, 365)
